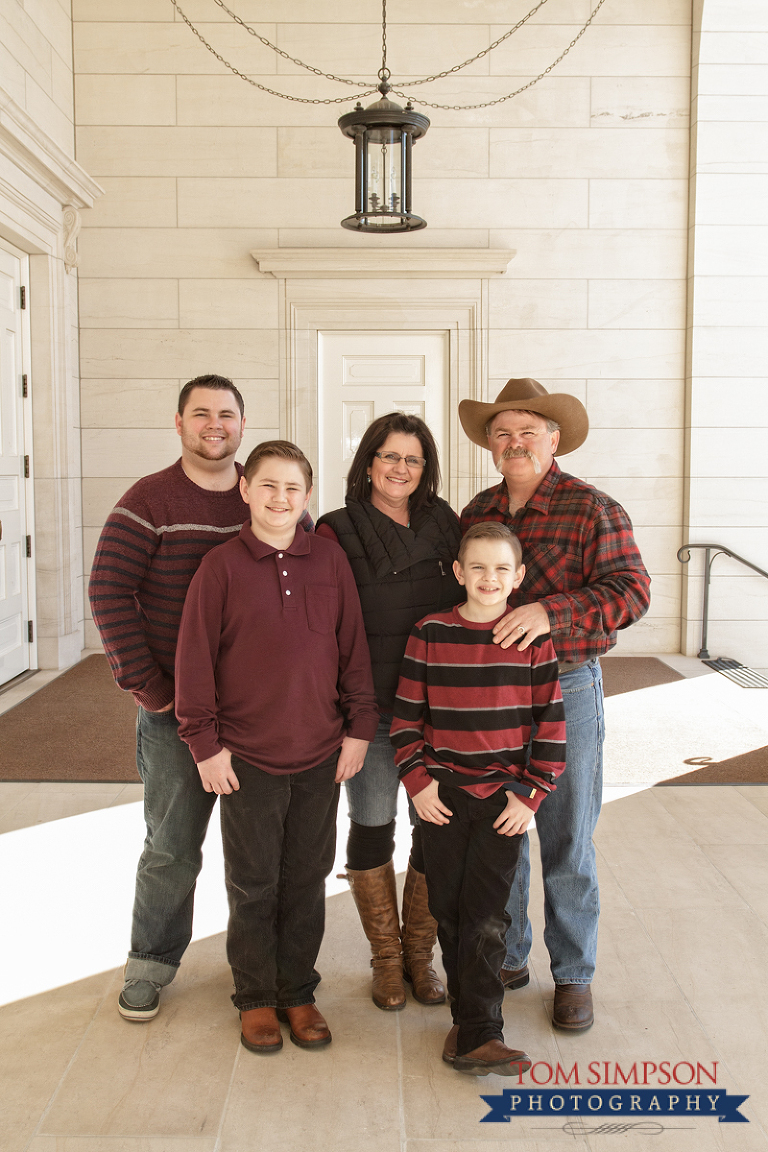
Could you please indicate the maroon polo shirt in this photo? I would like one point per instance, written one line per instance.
(272, 661)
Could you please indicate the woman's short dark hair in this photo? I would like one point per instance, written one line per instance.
(376, 434)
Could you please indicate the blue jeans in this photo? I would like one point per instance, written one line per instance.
(372, 793)
(176, 810)
(565, 823)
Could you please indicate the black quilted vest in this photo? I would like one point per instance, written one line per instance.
(401, 575)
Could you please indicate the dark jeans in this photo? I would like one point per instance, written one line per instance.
(470, 868)
(279, 835)
(177, 810)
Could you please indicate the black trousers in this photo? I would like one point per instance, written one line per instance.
(469, 869)
(279, 836)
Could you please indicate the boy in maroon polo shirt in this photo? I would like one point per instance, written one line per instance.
(275, 700)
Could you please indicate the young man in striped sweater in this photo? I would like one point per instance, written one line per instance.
(464, 713)
(149, 550)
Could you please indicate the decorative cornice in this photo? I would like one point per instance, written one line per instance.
(33, 151)
(384, 263)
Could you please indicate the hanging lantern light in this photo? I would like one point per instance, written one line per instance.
(383, 135)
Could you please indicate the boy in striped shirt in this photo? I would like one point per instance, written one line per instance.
(464, 714)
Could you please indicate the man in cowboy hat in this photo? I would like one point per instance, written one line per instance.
(584, 580)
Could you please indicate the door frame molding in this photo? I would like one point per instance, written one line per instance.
(377, 289)
(467, 368)
(28, 483)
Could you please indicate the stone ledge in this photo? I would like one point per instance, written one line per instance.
(41, 158)
(377, 263)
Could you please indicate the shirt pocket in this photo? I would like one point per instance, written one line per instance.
(322, 608)
(549, 569)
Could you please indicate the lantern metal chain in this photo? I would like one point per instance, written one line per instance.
(510, 95)
(262, 87)
(479, 56)
(268, 44)
(384, 72)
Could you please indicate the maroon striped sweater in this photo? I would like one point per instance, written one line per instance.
(149, 550)
(464, 708)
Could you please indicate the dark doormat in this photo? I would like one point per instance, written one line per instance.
(749, 768)
(78, 728)
(630, 673)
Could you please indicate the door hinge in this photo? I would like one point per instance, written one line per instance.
(24, 385)
(22, 297)
(29, 547)
(30, 632)
(26, 467)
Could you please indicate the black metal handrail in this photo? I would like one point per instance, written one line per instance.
(719, 550)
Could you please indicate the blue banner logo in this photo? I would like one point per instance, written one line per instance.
(604, 1102)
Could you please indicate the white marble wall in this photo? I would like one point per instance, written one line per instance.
(585, 175)
(36, 64)
(39, 182)
(727, 413)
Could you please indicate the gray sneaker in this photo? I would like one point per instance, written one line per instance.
(139, 1000)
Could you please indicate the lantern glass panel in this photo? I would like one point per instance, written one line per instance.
(385, 176)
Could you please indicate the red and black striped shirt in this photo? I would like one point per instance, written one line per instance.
(581, 560)
(464, 708)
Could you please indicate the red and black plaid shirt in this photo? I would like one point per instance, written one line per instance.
(580, 560)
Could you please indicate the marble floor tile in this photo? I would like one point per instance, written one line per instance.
(39, 1036)
(442, 1104)
(726, 817)
(746, 868)
(681, 968)
(11, 794)
(344, 1098)
(756, 795)
(719, 951)
(675, 873)
(41, 807)
(512, 1138)
(166, 1077)
(130, 794)
(628, 962)
(78, 788)
(122, 1144)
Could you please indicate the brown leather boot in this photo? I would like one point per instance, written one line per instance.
(419, 935)
(375, 895)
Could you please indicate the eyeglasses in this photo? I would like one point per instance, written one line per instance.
(395, 458)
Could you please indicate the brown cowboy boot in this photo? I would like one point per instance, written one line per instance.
(375, 895)
(419, 935)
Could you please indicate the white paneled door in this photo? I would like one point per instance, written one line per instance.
(14, 615)
(364, 375)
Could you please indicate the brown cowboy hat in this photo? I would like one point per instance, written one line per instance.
(531, 396)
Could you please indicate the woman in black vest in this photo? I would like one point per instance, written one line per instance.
(401, 540)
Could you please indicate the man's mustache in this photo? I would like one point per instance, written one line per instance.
(514, 453)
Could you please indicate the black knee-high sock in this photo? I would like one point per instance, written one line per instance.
(369, 847)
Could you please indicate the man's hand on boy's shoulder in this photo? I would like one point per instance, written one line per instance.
(218, 775)
(351, 758)
(429, 806)
(515, 818)
(522, 625)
